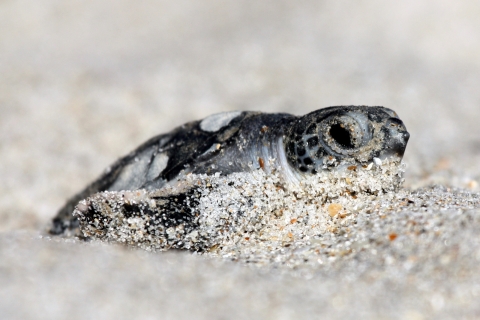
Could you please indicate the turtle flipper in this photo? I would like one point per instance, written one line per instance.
(141, 218)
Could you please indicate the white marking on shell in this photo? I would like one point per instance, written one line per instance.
(217, 121)
(127, 178)
(158, 165)
(377, 161)
(132, 175)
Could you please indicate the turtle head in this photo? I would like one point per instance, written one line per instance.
(328, 137)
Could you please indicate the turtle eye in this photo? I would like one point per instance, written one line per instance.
(346, 133)
(341, 135)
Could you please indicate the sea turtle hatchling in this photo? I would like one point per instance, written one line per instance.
(328, 139)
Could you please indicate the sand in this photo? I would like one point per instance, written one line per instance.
(84, 82)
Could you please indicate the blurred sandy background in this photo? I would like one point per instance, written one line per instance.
(83, 82)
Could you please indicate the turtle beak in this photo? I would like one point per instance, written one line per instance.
(396, 138)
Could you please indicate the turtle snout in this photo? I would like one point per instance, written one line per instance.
(396, 137)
